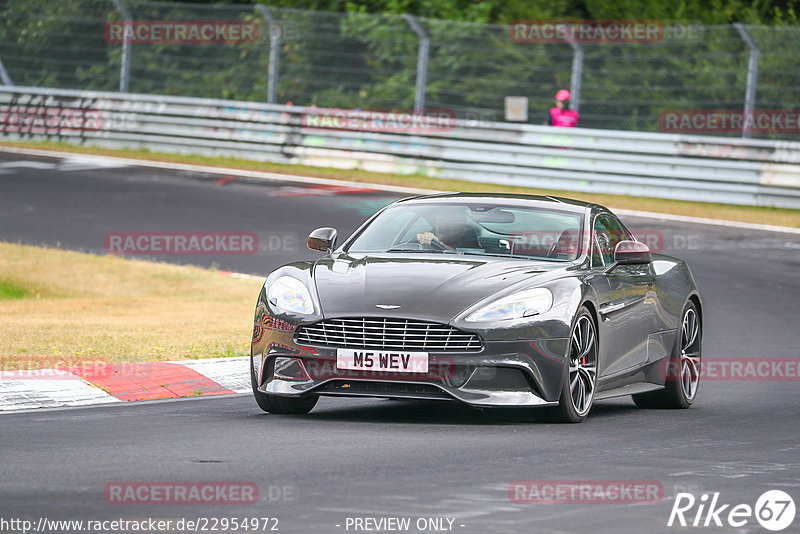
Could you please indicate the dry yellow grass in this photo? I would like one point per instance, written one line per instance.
(64, 308)
(750, 214)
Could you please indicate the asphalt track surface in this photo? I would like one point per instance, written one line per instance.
(359, 458)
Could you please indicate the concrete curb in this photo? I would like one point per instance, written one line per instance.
(122, 382)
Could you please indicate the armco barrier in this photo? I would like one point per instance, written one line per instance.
(704, 168)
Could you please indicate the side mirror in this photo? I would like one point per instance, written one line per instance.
(322, 239)
(632, 253)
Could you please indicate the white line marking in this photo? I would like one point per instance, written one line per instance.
(27, 164)
(271, 176)
(243, 275)
(702, 220)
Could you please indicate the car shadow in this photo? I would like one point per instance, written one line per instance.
(447, 413)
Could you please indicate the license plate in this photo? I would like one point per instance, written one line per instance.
(382, 360)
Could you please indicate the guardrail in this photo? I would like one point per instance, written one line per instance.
(702, 168)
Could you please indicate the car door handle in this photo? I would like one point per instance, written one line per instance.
(608, 308)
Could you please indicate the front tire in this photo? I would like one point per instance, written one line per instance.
(281, 405)
(683, 368)
(580, 371)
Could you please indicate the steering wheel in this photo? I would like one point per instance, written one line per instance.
(419, 246)
(554, 250)
(437, 245)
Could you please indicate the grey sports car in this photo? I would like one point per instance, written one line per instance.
(490, 300)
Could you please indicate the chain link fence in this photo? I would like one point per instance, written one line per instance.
(392, 62)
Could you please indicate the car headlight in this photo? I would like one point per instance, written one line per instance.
(523, 304)
(290, 294)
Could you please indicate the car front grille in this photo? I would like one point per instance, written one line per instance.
(387, 334)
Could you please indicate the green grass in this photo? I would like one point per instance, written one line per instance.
(749, 214)
(12, 291)
(62, 308)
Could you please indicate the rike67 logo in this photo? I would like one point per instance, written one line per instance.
(774, 510)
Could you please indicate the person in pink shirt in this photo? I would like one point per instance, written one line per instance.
(561, 115)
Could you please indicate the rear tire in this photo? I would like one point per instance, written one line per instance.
(683, 368)
(281, 405)
(580, 372)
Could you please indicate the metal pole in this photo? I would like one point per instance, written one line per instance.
(752, 78)
(577, 72)
(422, 62)
(577, 75)
(4, 75)
(274, 52)
(125, 68)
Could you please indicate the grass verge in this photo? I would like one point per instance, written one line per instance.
(60, 308)
(749, 214)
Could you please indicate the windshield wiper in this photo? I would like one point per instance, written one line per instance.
(428, 251)
(519, 256)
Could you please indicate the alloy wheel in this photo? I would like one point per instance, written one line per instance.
(690, 354)
(583, 365)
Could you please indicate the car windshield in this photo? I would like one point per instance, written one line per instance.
(482, 229)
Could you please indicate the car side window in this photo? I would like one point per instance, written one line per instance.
(597, 259)
(608, 231)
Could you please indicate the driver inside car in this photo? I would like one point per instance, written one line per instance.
(451, 231)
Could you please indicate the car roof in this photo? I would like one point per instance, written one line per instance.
(541, 201)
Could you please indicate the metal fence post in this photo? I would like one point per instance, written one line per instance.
(125, 68)
(752, 78)
(422, 62)
(274, 52)
(577, 75)
(4, 74)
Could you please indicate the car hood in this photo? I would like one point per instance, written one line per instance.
(425, 286)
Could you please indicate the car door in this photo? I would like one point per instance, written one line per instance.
(625, 307)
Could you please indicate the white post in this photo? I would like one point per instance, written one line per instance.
(125, 68)
(422, 62)
(274, 52)
(752, 78)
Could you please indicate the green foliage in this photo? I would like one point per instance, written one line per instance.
(11, 291)
(766, 12)
(363, 54)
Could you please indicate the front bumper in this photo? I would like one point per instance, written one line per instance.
(504, 373)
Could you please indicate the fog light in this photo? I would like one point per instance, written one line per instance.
(458, 377)
(290, 369)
